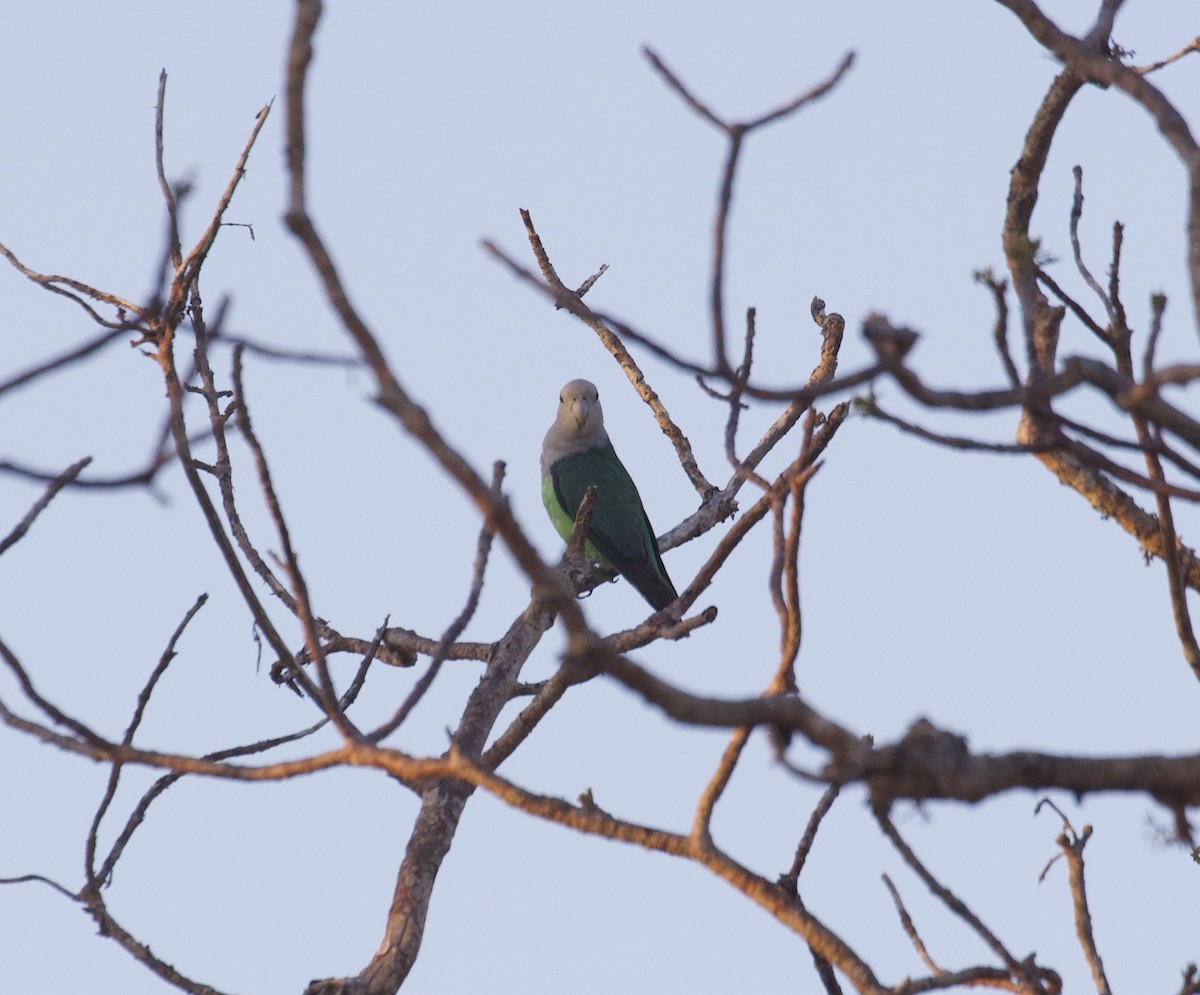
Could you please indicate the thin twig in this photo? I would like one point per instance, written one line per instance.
(1176, 580)
(221, 337)
(483, 548)
(1158, 305)
(734, 398)
(789, 881)
(87, 737)
(1090, 60)
(109, 927)
(138, 814)
(174, 249)
(187, 271)
(869, 405)
(999, 291)
(1071, 845)
(593, 820)
(947, 897)
(701, 822)
(1076, 214)
(1192, 46)
(41, 879)
(735, 132)
(572, 301)
(224, 464)
(1073, 306)
(527, 720)
(910, 928)
(302, 602)
(76, 291)
(66, 359)
(114, 774)
(57, 484)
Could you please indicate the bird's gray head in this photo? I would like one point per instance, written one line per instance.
(578, 426)
(579, 409)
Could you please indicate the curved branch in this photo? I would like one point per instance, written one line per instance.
(1091, 60)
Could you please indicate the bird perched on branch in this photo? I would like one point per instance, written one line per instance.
(576, 455)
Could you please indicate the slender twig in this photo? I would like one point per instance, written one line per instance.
(302, 602)
(789, 881)
(162, 335)
(1020, 248)
(752, 517)
(701, 822)
(187, 271)
(483, 548)
(734, 399)
(139, 711)
(87, 737)
(222, 337)
(174, 249)
(1090, 59)
(910, 928)
(1071, 846)
(999, 291)
(1158, 305)
(138, 814)
(1077, 252)
(66, 359)
(1176, 580)
(527, 720)
(41, 879)
(591, 819)
(734, 132)
(1052, 444)
(572, 301)
(869, 405)
(144, 477)
(189, 465)
(1119, 319)
(57, 484)
(1016, 968)
(404, 645)
(657, 627)
(109, 927)
(1192, 46)
(1121, 336)
(787, 592)
(1073, 306)
(76, 291)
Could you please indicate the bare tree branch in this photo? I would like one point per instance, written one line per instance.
(910, 928)
(454, 630)
(735, 132)
(36, 373)
(1019, 971)
(1072, 844)
(62, 480)
(1089, 59)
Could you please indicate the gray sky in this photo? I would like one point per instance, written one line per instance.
(970, 589)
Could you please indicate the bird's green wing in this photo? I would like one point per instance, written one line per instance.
(620, 531)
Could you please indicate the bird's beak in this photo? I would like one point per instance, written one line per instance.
(580, 410)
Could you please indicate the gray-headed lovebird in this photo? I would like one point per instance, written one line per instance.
(577, 455)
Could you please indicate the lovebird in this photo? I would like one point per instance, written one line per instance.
(577, 455)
